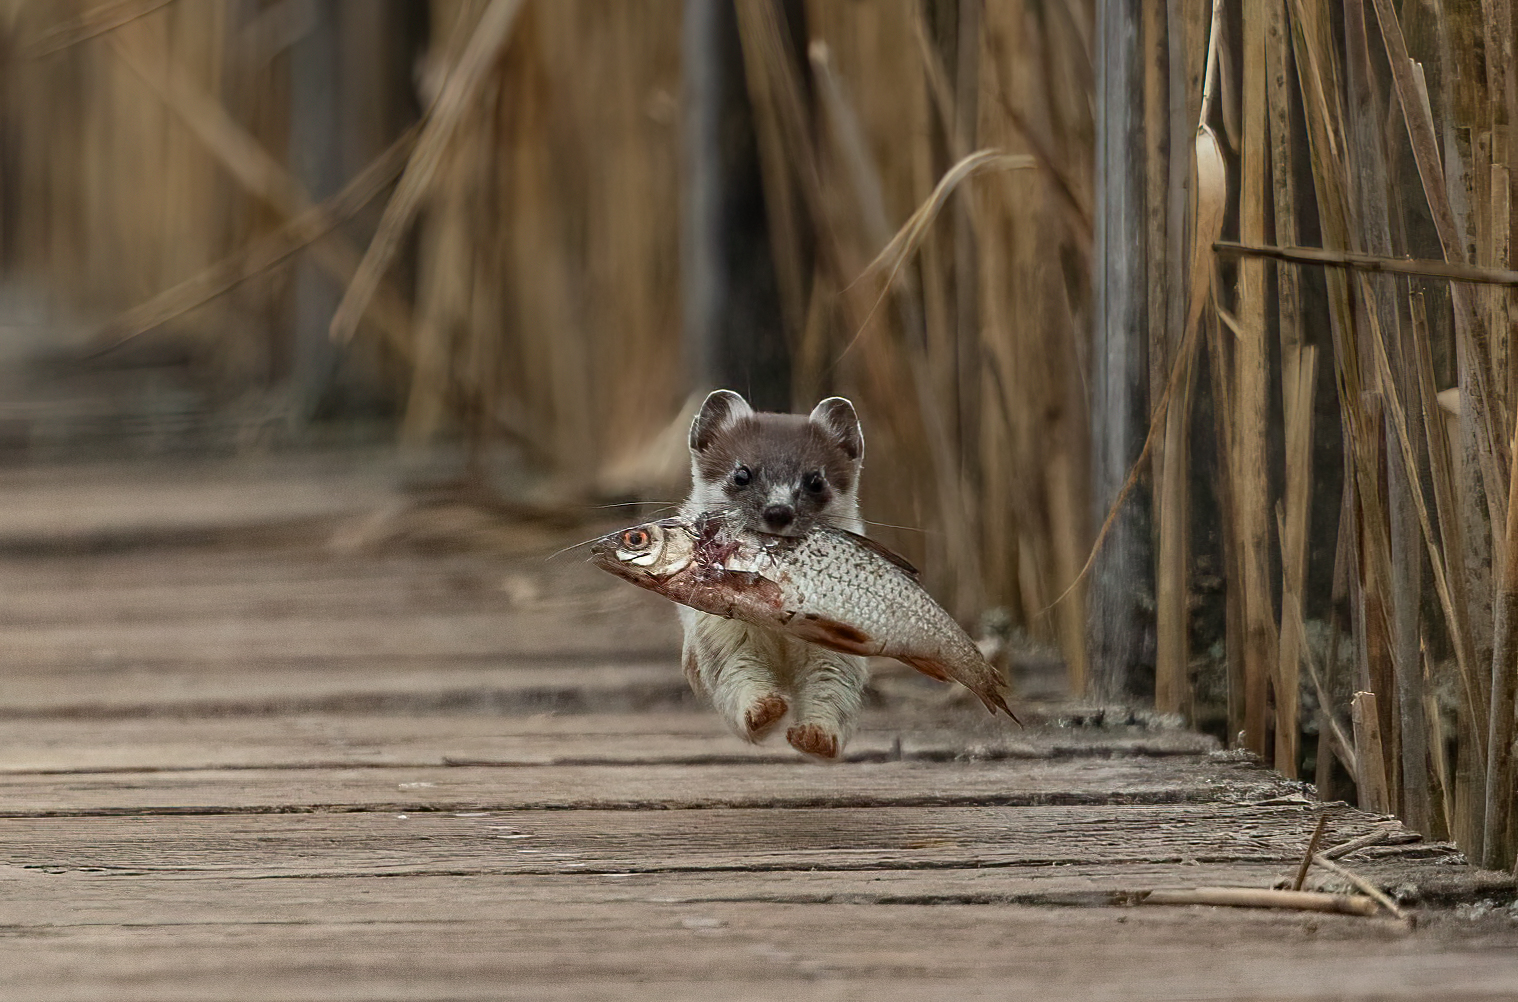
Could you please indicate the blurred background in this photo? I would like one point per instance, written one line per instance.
(626, 204)
(527, 236)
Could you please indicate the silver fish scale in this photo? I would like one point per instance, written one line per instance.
(830, 576)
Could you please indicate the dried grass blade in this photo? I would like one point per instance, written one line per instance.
(91, 24)
(262, 254)
(485, 46)
(909, 237)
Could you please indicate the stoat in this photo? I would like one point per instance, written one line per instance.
(781, 474)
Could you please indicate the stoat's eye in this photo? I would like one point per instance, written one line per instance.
(813, 481)
(634, 539)
(742, 475)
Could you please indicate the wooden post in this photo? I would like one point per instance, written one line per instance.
(1117, 356)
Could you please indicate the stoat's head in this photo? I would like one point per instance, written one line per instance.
(779, 473)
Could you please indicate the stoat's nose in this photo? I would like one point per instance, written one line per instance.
(778, 516)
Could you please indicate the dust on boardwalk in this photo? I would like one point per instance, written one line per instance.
(273, 731)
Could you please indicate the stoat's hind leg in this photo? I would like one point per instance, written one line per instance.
(733, 665)
(829, 695)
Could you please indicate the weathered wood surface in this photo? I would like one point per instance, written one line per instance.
(320, 765)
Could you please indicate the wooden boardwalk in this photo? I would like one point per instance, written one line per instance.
(272, 746)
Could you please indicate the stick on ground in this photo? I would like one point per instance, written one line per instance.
(1261, 897)
(1312, 848)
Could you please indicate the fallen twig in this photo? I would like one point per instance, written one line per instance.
(1260, 897)
(1376, 837)
(1312, 848)
(1354, 878)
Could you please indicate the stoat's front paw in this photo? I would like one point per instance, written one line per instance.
(814, 739)
(761, 717)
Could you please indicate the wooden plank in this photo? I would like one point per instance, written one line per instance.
(247, 640)
(792, 785)
(101, 687)
(384, 740)
(103, 502)
(59, 898)
(176, 586)
(720, 840)
(508, 938)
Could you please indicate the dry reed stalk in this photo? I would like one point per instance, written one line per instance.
(955, 501)
(1379, 835)
(1360, 414)
(259, 173)
(1444, 479)
(1172, 686)
(1438, 748)
(1375, 795)
(1374, 263)
(263, 254)
(1420, 129)
(1260, 897)
(842, 196)
(91, 23)
(485, 46)
(1251, 485)
(1298, 381)
(1499, 835)
(908, 239)
(1299, 375)
(1333, 737)
(1379, 295)
(1370, 889)
(1165, 277)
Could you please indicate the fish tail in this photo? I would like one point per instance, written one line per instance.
(996, 701)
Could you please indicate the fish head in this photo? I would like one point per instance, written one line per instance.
(649, 552)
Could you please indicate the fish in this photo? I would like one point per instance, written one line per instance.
(830, 586)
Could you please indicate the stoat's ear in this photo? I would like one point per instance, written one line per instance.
(836, 416)
(721, 408)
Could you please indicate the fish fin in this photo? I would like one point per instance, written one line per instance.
(830, 633)
(882, 550)
(988, 690)
(928, 667)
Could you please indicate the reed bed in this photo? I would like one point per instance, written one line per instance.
(1193, 357)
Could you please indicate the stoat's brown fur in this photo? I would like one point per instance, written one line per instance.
(783, 474)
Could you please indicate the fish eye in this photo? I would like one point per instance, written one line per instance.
(742, 475)
(813, 481)
(634, 539)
